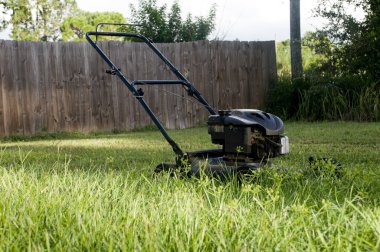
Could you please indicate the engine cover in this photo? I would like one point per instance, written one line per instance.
(248, 134)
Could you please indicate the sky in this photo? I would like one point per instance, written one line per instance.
(244, 20)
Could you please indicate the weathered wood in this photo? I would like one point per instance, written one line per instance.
(222, 73)
(255, 74)
(214, 86)
(185, 69)
(16, 101)
(53, 101)
(41, 110)
(2, 76)
(86, 91)
(63, 87)
(243, 81)
(233, 81)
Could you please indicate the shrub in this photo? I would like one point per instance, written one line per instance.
(283, 100)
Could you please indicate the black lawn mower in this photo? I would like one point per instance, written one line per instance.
(248, 137)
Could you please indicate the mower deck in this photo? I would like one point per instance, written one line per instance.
(211, 162)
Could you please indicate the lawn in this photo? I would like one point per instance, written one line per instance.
(98, 192)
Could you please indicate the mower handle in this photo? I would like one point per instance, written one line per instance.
(192, 91)
(138, 93)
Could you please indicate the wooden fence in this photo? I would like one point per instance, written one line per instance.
(56, 87)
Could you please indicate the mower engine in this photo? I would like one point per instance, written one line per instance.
(248, 134)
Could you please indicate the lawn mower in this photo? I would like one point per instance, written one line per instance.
(248, 137)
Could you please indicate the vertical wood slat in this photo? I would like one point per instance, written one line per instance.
(61, 81)
(222, 74)
(243, 73)
(214, 87)
(79, 83)
(7, 90)
(23, 110)
(233, 69)
(62, 86)
(14, 98)
(2, 77)
(42, 94)
(86, 91)
(51, 70)
(185, 68)
(32, 87)
(255, 74)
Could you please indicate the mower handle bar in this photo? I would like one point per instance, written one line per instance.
(192, 91)
(138, 93)
(113, 24)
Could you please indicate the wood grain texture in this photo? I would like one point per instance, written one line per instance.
(53, 87)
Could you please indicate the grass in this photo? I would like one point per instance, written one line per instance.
(97, 192)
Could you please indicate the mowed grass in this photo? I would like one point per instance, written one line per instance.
(98, 192)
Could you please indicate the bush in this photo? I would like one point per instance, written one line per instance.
(284, 99)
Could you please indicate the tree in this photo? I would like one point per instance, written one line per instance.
(35, 19)
(313, 55)
(75, 27)
(162, 26)
(355, 40)
(321, 51)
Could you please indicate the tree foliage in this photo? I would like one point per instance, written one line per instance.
(312, 56)
(35, 19)
(75, 27)
(351, 41)
(162, 25)
(53, 20)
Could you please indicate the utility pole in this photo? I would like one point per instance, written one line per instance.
(295, 39)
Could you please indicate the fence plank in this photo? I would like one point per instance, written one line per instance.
(185, 69)
(79, 90)
(41, 110)
(17, 102)
(233, 69)
(2, 77)
(7, 79)
(86, 91)
(244, 74)
(214, 86)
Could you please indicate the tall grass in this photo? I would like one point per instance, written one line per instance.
(99, 193)
(330, 102)
(325, 98)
